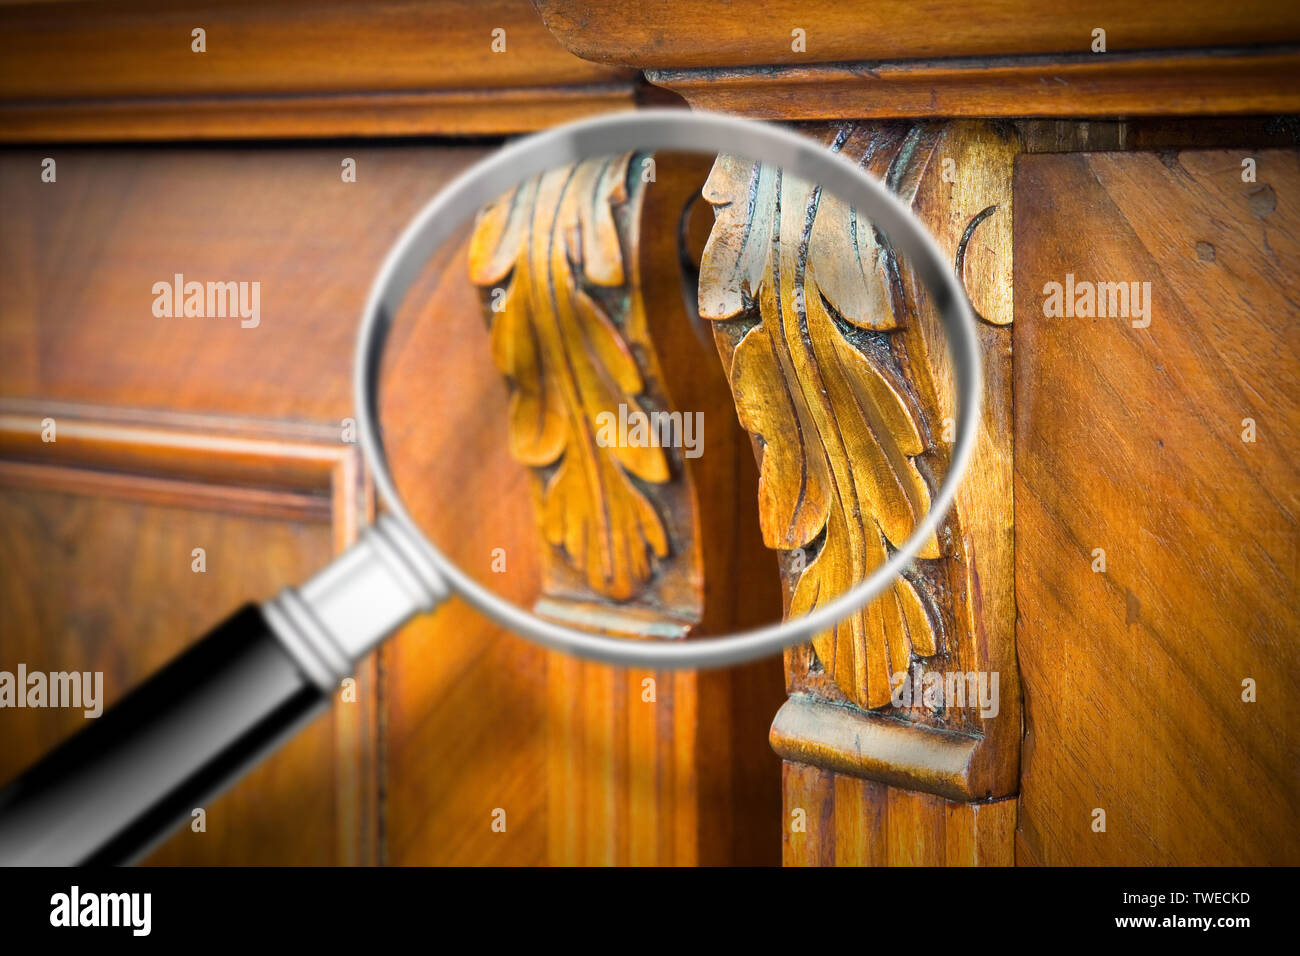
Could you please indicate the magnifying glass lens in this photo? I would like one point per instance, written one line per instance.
(667, 395)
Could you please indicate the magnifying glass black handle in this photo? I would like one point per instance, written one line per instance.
(115, 789)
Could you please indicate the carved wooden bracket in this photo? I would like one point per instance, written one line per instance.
(557, 260)
(839, 370)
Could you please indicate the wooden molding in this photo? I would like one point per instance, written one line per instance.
(441, 113)
(126, 71)
(839, 370)
(682, 34)
(1182, 82)
(184, 460)
(901, 754)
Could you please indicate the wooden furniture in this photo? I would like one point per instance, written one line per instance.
(1122, 554)
(948, 116)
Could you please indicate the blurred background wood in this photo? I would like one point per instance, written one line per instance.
(461, 718)
(127, 71)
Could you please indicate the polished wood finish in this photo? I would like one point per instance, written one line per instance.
(1242, 80)
(126, 71)
(1130, 440)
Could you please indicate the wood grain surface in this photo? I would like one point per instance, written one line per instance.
(848, 821)
(1130, 440)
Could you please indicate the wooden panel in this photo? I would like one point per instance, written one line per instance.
(90, 71)
(73, 603)
(1131, 440)
(705, 35)
(1240, 80)
(79, 258)
(849, 821)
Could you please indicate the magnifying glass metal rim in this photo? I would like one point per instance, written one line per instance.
(660, 130)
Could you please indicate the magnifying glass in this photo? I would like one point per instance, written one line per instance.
(602, 453)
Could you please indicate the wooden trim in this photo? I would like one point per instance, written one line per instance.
(681, 34)
(1233, 81)
(911, 756)
(266, 466)
(167, 492)
(81, 71)
(423, 113)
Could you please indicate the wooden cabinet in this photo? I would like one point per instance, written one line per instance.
(1123, 554)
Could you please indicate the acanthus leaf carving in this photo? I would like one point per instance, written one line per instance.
(554, 242)
(838, 480)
